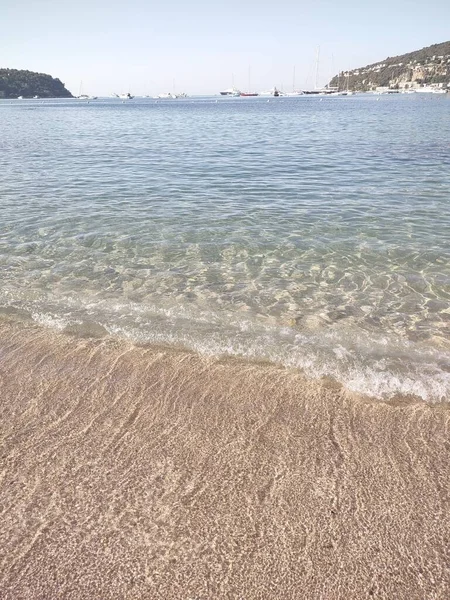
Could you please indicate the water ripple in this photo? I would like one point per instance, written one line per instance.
(309, 233)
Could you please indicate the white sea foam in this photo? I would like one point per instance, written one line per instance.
(49, 320)
(377, 367)
(370, 363)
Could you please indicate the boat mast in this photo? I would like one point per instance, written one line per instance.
(293, 81)
(317, 67)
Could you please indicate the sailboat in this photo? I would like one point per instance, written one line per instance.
(249, 93)
(294, 91)
(343, 92)
(325, 91)
(272, 92)
(171, 95)
(232, 91)
(348, 91)
(85, 96)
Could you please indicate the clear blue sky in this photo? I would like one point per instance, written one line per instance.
(149, 47)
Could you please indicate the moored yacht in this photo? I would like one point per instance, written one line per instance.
(82, 96)
(231, 92)
(167, 96)
(273, 92)
(430, 89)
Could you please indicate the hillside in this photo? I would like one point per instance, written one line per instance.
(14, 83)
(427, 66)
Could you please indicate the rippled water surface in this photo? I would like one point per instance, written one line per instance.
(305, 231)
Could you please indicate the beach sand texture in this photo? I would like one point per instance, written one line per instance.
(138, 473)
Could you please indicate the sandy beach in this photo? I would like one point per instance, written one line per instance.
(147, 473)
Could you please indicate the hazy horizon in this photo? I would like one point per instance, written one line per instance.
(201, 49)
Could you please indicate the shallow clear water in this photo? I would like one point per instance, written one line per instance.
(305, 231)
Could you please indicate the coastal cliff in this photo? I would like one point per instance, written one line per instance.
(14, 83)
(428, 66)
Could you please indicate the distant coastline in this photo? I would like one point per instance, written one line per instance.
(429, 66)
(426, 69)
(15, 83)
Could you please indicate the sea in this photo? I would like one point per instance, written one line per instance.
(311, 233)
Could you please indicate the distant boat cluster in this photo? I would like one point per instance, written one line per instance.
(332, 91)
(426, 89)
(275, 92)
(166, 96)
(234, 92)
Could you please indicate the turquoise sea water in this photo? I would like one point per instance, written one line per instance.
(311, 232)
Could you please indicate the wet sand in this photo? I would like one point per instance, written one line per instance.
(138, 473)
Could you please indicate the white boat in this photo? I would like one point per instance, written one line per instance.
(126, 96)
(428, 89)
(272, 92)
(82, 96)
(294, 92)
(232, 91)
(167, 96)
(348, 91)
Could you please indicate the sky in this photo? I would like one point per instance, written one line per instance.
(202, 47)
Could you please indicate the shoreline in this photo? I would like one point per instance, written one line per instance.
(427, 381)
(138, 472)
